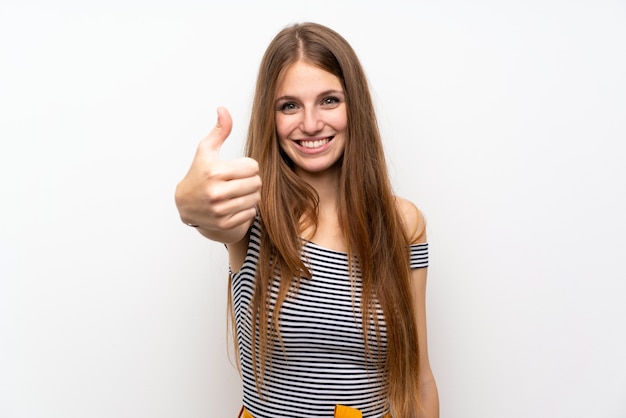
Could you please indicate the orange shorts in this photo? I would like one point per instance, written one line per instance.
(341, 411)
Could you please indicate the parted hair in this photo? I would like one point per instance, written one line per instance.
(373, 228)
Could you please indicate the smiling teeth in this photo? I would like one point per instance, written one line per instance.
(314, 144)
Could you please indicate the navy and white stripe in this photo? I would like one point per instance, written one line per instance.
(323, 362)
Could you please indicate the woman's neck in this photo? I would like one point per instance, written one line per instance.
(328, 232)
(325, 183)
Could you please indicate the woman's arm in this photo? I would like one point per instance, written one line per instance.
(429, 393)
(416, 231)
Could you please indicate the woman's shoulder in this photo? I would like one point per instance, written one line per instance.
(413, 219)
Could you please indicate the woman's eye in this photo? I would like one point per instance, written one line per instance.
(330, 101)
(288, 107)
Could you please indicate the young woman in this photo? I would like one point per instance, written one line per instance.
(327, 266)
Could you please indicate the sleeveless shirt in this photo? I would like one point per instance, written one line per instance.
(322, 360)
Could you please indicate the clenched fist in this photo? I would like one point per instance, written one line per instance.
(219, 197)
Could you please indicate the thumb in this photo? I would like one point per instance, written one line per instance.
(211, 144)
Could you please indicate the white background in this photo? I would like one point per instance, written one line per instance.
(503, 121)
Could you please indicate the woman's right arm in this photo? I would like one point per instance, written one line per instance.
(219, 197)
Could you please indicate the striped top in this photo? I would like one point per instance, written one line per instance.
(324, 361)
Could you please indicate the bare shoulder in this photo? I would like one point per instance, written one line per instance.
(413, 219)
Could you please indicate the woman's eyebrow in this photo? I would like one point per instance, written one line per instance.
(324, 93)
(286, 97)
(330, 92)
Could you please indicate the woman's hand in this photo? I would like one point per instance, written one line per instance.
(219, 197)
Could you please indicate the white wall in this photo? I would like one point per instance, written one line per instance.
(503, 122)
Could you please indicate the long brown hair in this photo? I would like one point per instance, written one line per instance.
(372, 226)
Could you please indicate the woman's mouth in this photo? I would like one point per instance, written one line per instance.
(315, 143)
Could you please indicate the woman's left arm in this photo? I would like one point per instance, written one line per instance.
(416, 231)
(429, 393)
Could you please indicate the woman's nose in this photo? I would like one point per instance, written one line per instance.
(311, 121)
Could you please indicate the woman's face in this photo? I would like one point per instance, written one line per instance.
(311, 118)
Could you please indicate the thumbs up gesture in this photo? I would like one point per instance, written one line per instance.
(219, 197)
